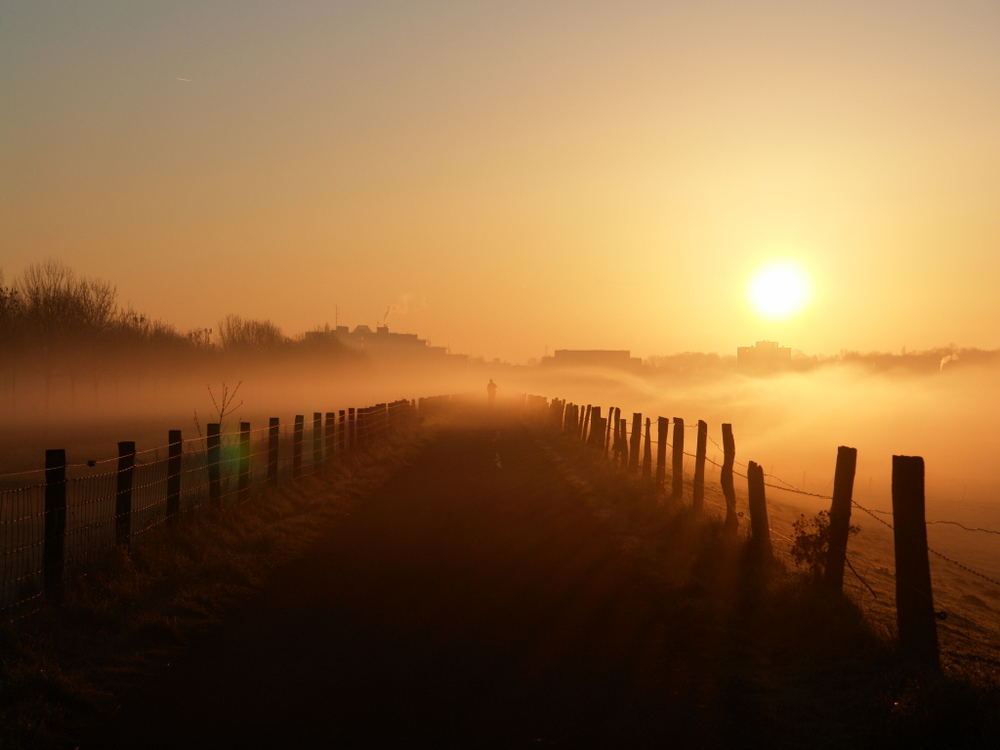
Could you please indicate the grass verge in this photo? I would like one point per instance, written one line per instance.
(63, 668)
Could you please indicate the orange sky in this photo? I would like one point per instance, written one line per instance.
(512, 174)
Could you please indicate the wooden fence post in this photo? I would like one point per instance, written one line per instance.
(352, 428)
(243, 486)
(914, 600)
(726, 476)
(54, 551)
(214, 459)
(123, 493)
(273, 442)
(317, 436)
(840, 516)
(662, 430)
(330, 435)
(595, 427)
(174, 453)
(635, 438)
(760, 531)
(647, 456)
(623, 441)
(698, 488)
(677, 469)
(342, 432)
(585, 423)
(297, 437)
(607, 431)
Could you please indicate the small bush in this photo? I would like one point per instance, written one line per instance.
(812, 543)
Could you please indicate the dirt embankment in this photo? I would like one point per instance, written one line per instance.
(502, 590)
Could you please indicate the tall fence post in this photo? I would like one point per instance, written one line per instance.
(607, 430)
(596, 433)
(214, 458)
(914, 600)
(273, 443)
(123, 493)
(623, 441)
(243, 486)
(677, 469)
(840, 516)
(331, 435)
(317, 439)
(297, 437)
(54, 551)
(647, 456)
(342, 432)
(352, 428)
(726, 476)
(175, 447)
(760, 531)
(701, 448)
(633, 451)
(662, 430)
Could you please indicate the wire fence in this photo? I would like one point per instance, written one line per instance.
(638, 450)
(68, 518)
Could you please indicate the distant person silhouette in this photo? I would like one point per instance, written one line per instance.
(491, 391)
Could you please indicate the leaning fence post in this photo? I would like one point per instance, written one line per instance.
(606, 438)
(297, 436)
(840, 516)
(596, 433)
(174, 448)
(914, 600)
(54, 550)
(123, 493)
(662, 429)
(214, 457)
(698, 487)
(726, 476)
(317, 436)
(760, 531)
(243, 486)
(331, 435)
(677, 469)
(635, 437)
(342, 432)
(273, 441)
(647, 456)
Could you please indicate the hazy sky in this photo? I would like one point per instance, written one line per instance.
(515, 174)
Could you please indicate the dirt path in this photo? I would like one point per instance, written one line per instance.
(473, 602)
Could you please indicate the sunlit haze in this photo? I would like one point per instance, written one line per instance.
(506, 176)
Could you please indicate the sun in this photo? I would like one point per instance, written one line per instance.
(779, 290)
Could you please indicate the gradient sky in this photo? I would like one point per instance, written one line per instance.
(515, 174)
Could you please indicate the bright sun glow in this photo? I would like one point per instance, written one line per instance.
(779, 290)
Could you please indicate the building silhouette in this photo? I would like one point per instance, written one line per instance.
(763, 357)
(619, 359)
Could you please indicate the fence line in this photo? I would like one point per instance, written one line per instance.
(622, 445)
(68, 523)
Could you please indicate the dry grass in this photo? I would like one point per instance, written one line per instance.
(792, 662)
(63, 667)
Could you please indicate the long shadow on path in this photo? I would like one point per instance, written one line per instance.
(473, 602)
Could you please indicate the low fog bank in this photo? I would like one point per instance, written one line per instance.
(792, 424)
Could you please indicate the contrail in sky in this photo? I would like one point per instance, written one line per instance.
(186, 80)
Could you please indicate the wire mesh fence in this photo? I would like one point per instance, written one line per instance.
(66, 519)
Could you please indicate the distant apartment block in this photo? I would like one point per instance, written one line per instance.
(384, 344)
(619, 359)
(763, 357)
